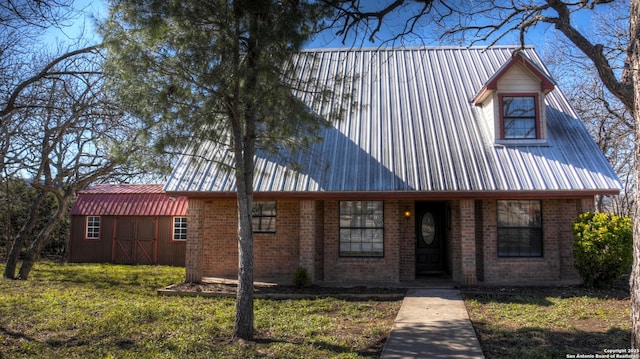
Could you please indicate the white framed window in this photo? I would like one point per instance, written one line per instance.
(519, 117)
(93, 227)
(180, 228)
(361, 228)
(520, 228)
(264, 217)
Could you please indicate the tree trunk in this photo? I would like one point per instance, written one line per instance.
(243, 325)
(34, 250)
(633, 56)
(12, 258)
(18, 241)
(244, 146)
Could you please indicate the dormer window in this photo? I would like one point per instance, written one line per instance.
(519, 117)
(511, 102)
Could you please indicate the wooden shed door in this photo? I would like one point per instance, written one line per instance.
(123, 241)
(145, 241)
(135, 241)
(430, 235)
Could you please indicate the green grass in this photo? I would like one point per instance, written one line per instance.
(549, 322)
(113, 311)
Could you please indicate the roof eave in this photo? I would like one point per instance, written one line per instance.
(410, 195)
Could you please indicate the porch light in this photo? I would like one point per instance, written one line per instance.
(407, 213)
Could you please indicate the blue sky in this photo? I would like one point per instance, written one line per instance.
(541, 37)
(93, 9)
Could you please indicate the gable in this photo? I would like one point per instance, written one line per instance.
(519, 73)
(414, 129)
(518, 79)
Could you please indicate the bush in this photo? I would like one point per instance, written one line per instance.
(603, 247)
(301, 278)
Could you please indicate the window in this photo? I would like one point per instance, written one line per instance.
(93, 227)
(180, 228)
(264, 217)
(519, 117)
(361, 229)
(519, 229)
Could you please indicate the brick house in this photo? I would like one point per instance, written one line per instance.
(467, 162)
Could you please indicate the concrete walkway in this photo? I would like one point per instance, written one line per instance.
(432, 323)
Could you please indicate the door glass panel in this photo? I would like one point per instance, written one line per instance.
(428, 228)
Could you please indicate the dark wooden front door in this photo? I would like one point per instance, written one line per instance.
(430, 235)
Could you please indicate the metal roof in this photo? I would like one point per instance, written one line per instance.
(128, 200)
(414, 128)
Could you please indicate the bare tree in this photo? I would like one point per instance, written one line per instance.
(68, 134)
(59, 130)
(611, 126)
(606, 118)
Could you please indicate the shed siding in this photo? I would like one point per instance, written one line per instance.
(127, 240)
(170, 252)
(94, 251)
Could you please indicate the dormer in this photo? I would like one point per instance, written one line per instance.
(512, 102)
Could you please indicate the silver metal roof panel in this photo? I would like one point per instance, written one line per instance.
(413, 129)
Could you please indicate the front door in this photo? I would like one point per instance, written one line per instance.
(430, 238)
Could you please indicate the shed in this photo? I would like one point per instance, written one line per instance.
(128, 224)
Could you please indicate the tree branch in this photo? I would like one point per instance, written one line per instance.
(11, 102)
(623, 91)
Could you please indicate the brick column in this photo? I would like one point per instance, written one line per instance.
(467, 243)
(195, 240)
(586, 205)
(407, 244)
(308, 237)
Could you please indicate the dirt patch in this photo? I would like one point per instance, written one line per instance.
(619, 290)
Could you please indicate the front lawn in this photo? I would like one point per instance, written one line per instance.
(549, 322)
(113, 311)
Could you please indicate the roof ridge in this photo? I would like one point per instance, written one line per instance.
(417, 47)
(124, 188)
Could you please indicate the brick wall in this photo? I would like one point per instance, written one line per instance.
(462, 242)
(310, 237)
(454, 253)
(219, 255)
(467, 242)
(319, 239)
(213, 230)
(556, 264)
(195, 233)
(344, 269)
(479, 241)
(212, 246)
(407, 239)
(307, 233)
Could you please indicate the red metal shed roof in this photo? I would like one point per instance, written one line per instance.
(128, 200)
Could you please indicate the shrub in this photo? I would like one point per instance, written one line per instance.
(603, 247)
(301, 278)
